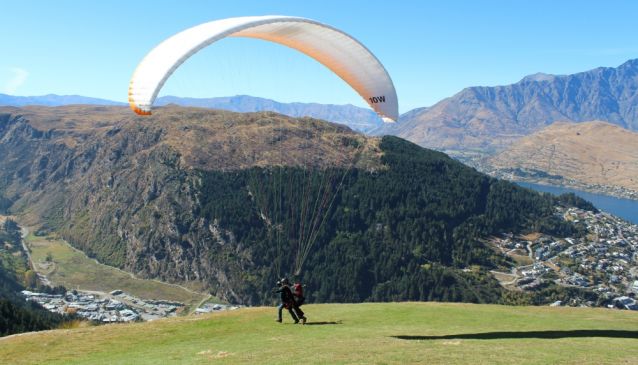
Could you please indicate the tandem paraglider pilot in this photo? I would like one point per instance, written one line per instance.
(290, 301)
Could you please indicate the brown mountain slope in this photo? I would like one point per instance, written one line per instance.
(591, 152)
(200, 136)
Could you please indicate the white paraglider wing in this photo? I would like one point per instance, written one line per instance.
(342, 54)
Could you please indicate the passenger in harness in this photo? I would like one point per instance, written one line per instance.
(297, 292)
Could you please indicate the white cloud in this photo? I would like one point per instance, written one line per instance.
(18, 77)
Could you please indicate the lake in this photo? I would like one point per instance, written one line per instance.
(623, 208)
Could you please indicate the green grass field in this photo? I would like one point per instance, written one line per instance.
(75, 270)
(390, 333)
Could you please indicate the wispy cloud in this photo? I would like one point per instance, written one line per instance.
(17, 78)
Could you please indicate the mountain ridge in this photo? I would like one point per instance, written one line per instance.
(489, 119)
(53, 100)
(357, 118)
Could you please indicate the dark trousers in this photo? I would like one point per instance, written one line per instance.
(298, 311)
(281, 307)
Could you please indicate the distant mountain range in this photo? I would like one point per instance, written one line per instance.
(53, 100)
(488, 119)
(360, 119)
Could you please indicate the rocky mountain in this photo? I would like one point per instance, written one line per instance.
(233, 201)
(360, 119)
(595, 153)
(489, 119)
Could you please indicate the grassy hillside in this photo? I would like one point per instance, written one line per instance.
(73, 269)
(390, 333)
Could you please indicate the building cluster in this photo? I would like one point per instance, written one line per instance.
(604, 259)
(116, 306)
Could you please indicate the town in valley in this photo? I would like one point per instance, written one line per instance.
(604, 260)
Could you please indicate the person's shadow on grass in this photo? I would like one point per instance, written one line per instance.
(322, 323)
(550, 334)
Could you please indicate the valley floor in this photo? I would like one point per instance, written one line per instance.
(388, 333)
(58, 263)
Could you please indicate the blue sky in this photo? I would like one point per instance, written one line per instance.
(432, 49)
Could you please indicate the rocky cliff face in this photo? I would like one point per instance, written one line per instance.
(491, 118)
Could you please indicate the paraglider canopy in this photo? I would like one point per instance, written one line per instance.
(336, 50)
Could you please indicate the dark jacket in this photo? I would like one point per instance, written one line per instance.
(286, 294)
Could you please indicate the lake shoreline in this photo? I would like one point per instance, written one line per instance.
(624, 208)
(607, 190)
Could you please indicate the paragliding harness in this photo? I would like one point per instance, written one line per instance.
(297, 292)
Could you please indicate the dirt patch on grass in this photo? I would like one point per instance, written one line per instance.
(210, 354)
